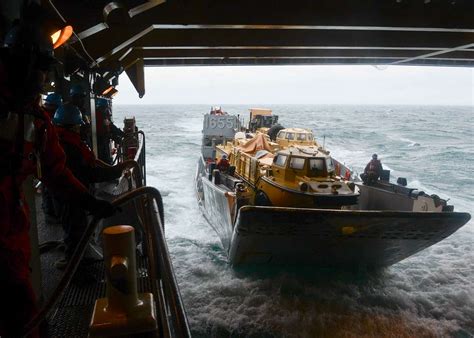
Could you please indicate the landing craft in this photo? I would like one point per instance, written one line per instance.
(108, 38)
(286, 202)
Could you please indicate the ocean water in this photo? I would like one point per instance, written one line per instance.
(428, 294)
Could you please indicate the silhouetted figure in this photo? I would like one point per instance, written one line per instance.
(373, 170)
(223, 164)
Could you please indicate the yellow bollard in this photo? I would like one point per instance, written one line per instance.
(124, 311)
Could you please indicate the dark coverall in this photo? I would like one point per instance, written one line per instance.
(372, 171)
(106, 130)
(28, 146)
(82, 162)
(223, 165)
(49, 209)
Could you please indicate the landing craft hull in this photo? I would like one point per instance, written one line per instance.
(319, 237)
(341, 238)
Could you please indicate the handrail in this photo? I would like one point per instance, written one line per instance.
(155, 236)
(140, 156)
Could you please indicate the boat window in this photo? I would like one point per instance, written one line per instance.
(280, 160)
(317, 166)
(329, 164)
(301, 137)
(297, 163)
(310, 137)
(290, 136)
(281, 134)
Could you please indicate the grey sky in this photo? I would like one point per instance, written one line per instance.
(303, 84)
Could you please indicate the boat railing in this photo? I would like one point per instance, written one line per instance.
(147, 201)
(246, 167)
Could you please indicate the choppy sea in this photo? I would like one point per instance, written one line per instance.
(428, 294)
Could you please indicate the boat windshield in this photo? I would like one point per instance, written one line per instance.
(317, 166)
(281, 134)
(297, 163)
(301, 136)
(329, 165)
(280, 160)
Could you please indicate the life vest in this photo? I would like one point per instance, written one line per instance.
(69, 137)
(223, 164)
(374, 165)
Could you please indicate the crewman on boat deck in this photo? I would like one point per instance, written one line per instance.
(28, 146)
(373, 170)
(103, 139)
(106, 130)
(78, 96)
(50, 105)
(82, 162)
(116, 133)
(223, 164)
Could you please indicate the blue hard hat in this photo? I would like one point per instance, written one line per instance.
(68, 114)
(54, 99)
(77, 90)
(100, 102)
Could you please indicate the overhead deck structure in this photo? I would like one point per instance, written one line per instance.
(130, 34)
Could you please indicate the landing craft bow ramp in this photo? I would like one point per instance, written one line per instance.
(128, 35)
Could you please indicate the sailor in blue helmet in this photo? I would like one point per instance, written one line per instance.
(28, 146)
(78, 95)
(83, 164)
(51, 103)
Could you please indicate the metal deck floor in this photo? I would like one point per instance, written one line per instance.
(73, 313)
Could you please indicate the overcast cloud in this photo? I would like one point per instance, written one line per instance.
(302, 84)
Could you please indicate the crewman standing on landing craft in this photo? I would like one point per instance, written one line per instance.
(373, 170)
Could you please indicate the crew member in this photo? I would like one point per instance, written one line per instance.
(83, 164)
(223, 164)
(103, 139)
(78, 95)
(106, 130)
(373, 170)
(28, 145)
(50, 105)
(115, 132)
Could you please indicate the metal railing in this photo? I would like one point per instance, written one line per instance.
(149, 206)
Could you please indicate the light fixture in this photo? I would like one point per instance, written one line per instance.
(61, 36)
(111, 93)
(108, 90)
(101, 86)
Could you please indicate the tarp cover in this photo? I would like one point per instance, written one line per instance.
(257, 143)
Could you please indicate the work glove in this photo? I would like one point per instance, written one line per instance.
(98, 208)
(119, 168)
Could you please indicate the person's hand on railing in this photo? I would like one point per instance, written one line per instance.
(130, 167)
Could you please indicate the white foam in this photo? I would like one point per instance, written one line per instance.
(429, 294)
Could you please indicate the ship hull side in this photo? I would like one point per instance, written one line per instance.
(214, 203)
